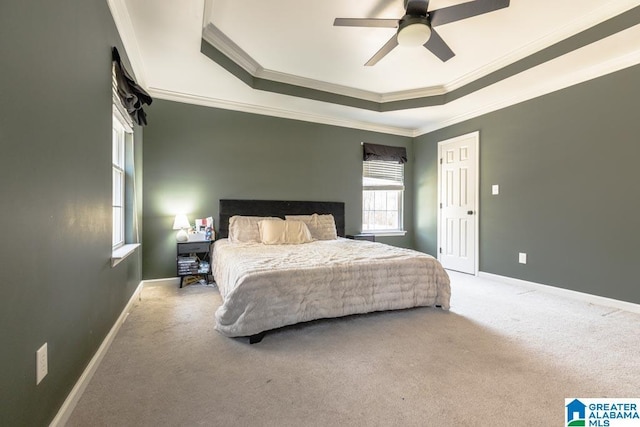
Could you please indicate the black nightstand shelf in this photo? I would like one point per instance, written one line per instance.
(193, 259)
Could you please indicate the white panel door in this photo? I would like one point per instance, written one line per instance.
(458, 219)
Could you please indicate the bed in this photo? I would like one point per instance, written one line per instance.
(266, 286)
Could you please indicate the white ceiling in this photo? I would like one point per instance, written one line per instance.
(295, 42)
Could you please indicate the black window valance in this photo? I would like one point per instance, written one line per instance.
(384, 152)
(129, 92)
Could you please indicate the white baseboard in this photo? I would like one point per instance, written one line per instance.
(72, 399)
(589, 298)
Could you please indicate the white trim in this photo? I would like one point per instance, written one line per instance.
(120, 253)
(207, 16)
(275, 112)
(72, 399)
(216, 38)
(577, 295)
(606, 11)
(383, 233)
(306, 82)
(228, 47)
(551, 85)
(404, 95)
(124, 137)
(476, 135)
(610, 9)
(127, 33)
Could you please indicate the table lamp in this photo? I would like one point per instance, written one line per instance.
(181, 223)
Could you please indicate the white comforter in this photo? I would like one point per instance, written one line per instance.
(265, 287)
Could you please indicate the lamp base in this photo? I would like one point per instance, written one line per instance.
(182, 235)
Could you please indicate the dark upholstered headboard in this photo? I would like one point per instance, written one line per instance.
(277, 208)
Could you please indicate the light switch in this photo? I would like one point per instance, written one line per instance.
(495, 189)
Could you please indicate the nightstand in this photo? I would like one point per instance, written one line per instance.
(193, 259)
(362, 236)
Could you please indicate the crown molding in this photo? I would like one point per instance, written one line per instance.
(408, 94)
(229, 48)
(610, 9)
(216, 38)
(604, 12)
(188, 98)
(121, 18)
(583, 75)
(318, 85)
(212, 35)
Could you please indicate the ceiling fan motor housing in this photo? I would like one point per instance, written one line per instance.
(413, 30)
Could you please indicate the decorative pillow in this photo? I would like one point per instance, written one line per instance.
(244, 229)
(274, 232)
(322, 227)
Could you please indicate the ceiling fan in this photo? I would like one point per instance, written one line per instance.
(415, 28)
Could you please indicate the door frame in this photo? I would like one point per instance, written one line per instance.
(476, 208)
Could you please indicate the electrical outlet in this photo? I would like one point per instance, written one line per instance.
(522, 258)
(42, 368)
(495, 189)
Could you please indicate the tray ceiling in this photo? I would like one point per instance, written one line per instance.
(285, 58)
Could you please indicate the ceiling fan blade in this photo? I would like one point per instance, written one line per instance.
(438, 47)
(365, 22)
(465, 10)
(388, 47)
(416, 7)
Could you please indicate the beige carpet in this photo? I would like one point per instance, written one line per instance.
(503, 356)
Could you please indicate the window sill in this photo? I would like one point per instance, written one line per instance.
(118, 255)
(385, 233)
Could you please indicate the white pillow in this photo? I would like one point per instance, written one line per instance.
(244, 229)
(274, 232)
(322, 227)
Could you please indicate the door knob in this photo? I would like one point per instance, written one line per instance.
(469, 212)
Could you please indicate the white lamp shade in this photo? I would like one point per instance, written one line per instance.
(181, 222)
(414, 35)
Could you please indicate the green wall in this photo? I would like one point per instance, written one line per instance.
(195, 156)
(55, 133)
(567, 166)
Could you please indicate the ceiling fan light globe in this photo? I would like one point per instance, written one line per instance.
(414, 35)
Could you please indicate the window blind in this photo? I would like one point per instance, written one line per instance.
(382, 175)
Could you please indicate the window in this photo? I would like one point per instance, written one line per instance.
(382, 194)
(125, 235)
(120, 132)
(125, 224)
